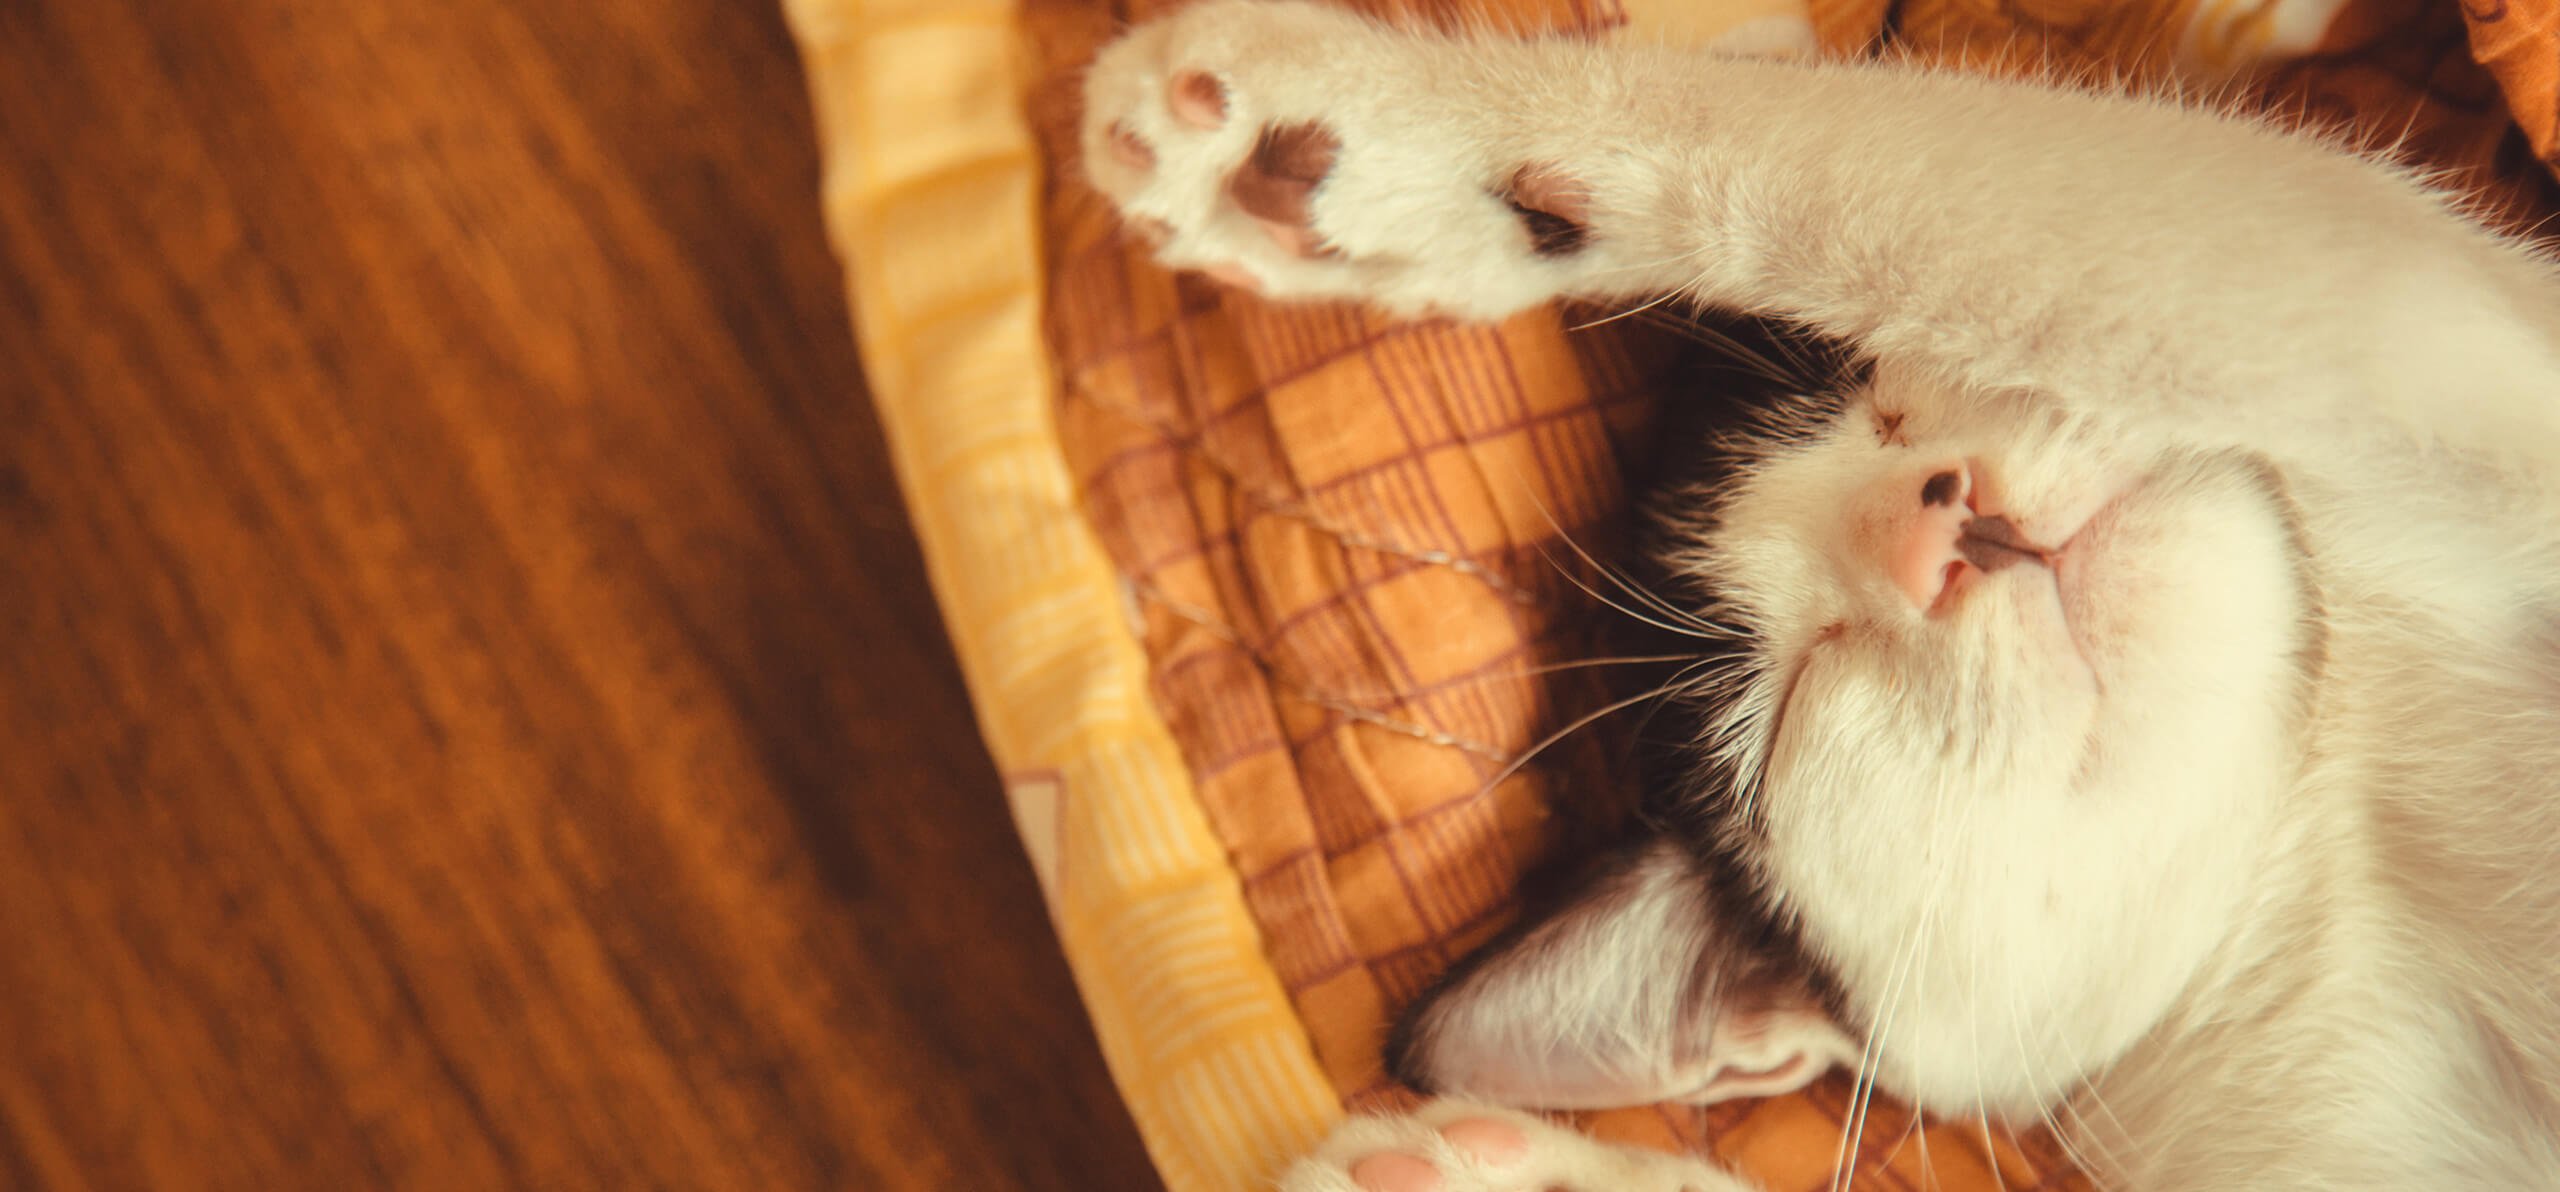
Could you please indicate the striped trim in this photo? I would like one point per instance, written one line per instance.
(930, 193)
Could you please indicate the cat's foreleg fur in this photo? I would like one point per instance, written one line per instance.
(2128, 258)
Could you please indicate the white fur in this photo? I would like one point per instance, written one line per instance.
(2232, 840)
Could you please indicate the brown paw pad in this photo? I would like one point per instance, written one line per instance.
(1554, 208)
(1197, 99)
(1277, 183)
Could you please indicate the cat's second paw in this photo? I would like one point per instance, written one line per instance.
(1305, 153)
(1452, 1146)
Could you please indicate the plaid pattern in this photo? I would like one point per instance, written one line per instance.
(1249, 731)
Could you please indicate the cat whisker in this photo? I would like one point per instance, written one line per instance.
(1990, 1145)
(1622, 582)
(2071, 1149)
(1587, 663)
(1798, 364)
(1897, 987)
(1697, 626)
(2026, 1054)
(1862, 1094)
(1664, 615)
(2076, 1144)
(2088, 1093)
(1981, 1109)
(1919, 1132)
(1669, 687)
(1630, 312)
(2062, 1135)
(1862, 1090)
(1973, 1030)
(1702, 634)
(1911, 1132)
(1634, 590)
(1662, 607)
(1758, 364)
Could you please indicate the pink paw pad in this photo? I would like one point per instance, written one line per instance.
(1487, 1140)
(1395, 1171)
(1131, 150)
(1554, 208)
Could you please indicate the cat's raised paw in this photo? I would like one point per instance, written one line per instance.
(1452, 1146)
(1301, 152)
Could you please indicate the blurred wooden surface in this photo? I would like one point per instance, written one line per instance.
(470, 711)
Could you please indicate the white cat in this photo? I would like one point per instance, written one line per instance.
(2137, 703)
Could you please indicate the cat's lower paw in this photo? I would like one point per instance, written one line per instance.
(1452, 1146)
(1305, 153)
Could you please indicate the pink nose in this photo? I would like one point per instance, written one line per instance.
(1923, 522)
(1935, 534)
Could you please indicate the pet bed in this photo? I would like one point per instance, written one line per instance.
(1255, 603)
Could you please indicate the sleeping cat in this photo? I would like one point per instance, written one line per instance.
(2134, 704)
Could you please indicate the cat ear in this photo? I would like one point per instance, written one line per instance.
(1633, 990)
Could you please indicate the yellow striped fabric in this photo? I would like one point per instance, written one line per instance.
(931, 192)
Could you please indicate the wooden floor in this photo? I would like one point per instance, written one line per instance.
(470, 711)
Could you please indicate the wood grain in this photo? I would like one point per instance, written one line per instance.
(470, 712)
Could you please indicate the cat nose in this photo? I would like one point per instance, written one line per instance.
(1935, 533)
(1923, 518)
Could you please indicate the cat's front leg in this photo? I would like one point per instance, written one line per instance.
(2120, 256)
(1454, 1146)
(1305, 152)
